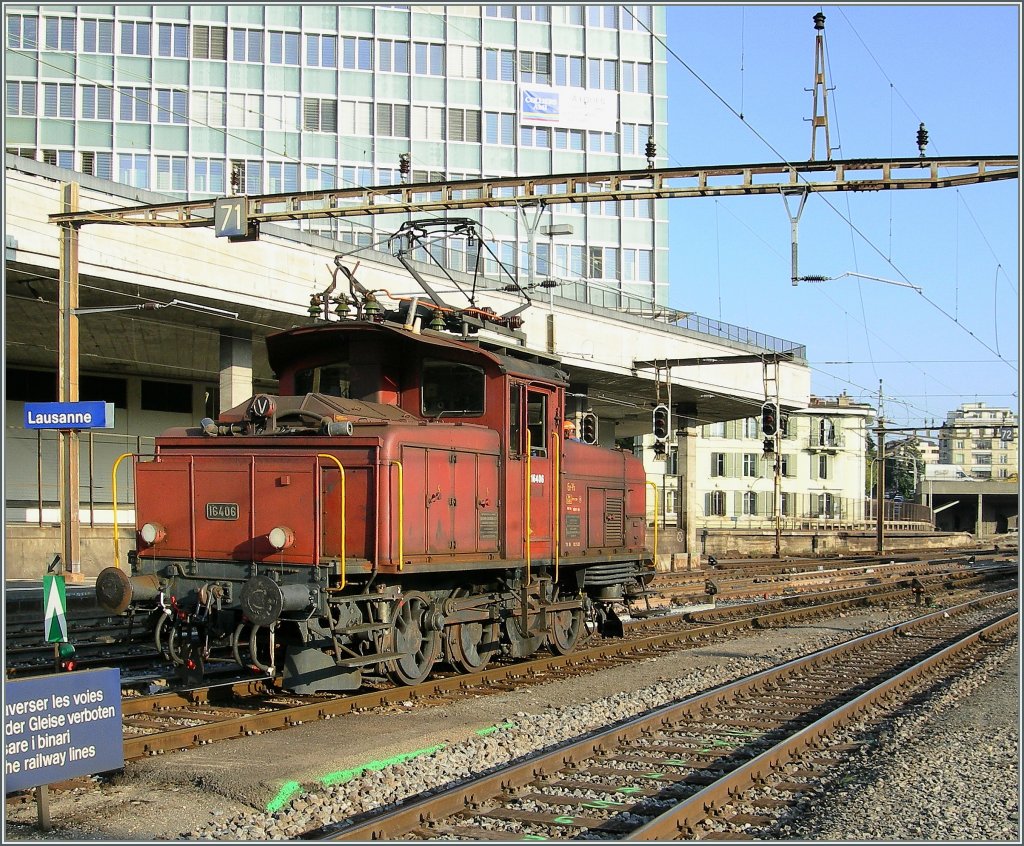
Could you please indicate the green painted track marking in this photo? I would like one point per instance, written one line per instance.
(627, 790)
(291, 788)
(678, 762)
(288, 789)
(564, 820)
(534, 837)
(653, 775)
(603, 803)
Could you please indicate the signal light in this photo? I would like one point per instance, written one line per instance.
(66, 652)
(588, 428)
(769, 419)
(660, 423)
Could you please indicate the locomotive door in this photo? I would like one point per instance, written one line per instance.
(540, 423)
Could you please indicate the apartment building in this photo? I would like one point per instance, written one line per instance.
(201, 100)
(821, 468)
(982, 440)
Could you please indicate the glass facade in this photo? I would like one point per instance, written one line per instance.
(196, 101)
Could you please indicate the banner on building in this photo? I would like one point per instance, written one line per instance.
(570, 108)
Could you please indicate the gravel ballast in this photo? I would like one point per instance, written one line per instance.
(957, 775)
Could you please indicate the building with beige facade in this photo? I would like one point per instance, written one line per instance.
(982, 440)
(822, 472)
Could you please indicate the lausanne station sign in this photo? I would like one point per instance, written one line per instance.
(69, 415)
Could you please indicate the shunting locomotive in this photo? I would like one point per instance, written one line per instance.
(409, 497)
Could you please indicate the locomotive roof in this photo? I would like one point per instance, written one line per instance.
(292, 344)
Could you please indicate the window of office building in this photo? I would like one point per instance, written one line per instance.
(133, 104)
(319, 115)
(209, 42)
(247, 45)
(208, 175)
(508, 12)
(59, 158)
(535, 13)
(98, 163)
(500, 65)
(133, 169)
(58, 99)
(428, 123)
(569, 139)
(500, 128)
(246, 176)
(393, 120)
(135, 38)
(464, 125)
(634, 138)
(245, 110)
(605, 17)
(636, 77)
(282, 113)
(535, 67)
(602, 73)
(60, 34)
(357, 53)
(463, 61)
(21, 98)
(97, 36)
(636, 18)
(392, 56)
(321, 51)
(535, 136)
(23, 32)
(208, 108)
(428, 59)
(322, 177)
(171, 173)
(97, 102)
(602, 142)
(282, 177)
(283, 48)
(171, 106)
(172, 40)
(636, 265)
(569, 71)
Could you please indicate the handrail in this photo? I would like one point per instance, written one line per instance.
(527, 530)
(113, 487)
(556, 496)
(653, 485)
(401, 511)
(341, 470)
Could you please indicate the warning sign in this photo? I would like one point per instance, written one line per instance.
(59, 727)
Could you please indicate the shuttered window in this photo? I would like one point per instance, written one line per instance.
(393, 120)
(172, 40)
(58, 99)
(356, 119)
(392, 56)
(135, 38)
(209, 42)
(97, 36)
(246, 45)
(171, 106)
(245, 110)
(97, 102)
(60, 34)
(319, 115)
(21, 98)
(464, 125)
(500, 65)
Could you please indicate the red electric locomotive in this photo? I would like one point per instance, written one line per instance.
(408, 498)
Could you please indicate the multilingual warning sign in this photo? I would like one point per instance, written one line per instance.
(62, 726)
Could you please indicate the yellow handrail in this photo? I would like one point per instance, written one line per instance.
(556, 539)
(401, 512)
(341, 470)
(651, 484)
(527, 531)
(113, 486)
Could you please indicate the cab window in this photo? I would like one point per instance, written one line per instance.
(330, 379)
(536, 422)
(452, 389)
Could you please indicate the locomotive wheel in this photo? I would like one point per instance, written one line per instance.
(412, 635)
(470, 646)
(564, 629)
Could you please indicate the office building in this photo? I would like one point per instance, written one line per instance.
(982, 440)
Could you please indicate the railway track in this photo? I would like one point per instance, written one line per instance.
(722, 765)
(171, 721)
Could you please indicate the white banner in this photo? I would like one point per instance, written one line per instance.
(574, 108)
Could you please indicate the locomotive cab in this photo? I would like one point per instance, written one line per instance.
(406, 499)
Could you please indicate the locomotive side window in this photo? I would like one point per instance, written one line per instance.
(330, 379)
(536, 422)
(452, 389)
(515, 420)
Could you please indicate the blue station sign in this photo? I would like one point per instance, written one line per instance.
(62, 726)
(69, 415)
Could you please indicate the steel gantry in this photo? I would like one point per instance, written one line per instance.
(658, 184)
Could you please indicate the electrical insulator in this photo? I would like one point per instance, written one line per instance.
(922, 139)
(769, 419)
(588, 428)
(404, 165)
(651, 151)
(236, 179)
(660, 423)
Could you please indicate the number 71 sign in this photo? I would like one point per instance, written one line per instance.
(231, 219)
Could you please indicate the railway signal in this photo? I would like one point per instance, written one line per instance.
(588, 428)
(769, 419)
(660, 423)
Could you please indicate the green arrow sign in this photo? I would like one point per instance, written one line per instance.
(55, 622)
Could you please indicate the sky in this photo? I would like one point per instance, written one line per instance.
(956, 68)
